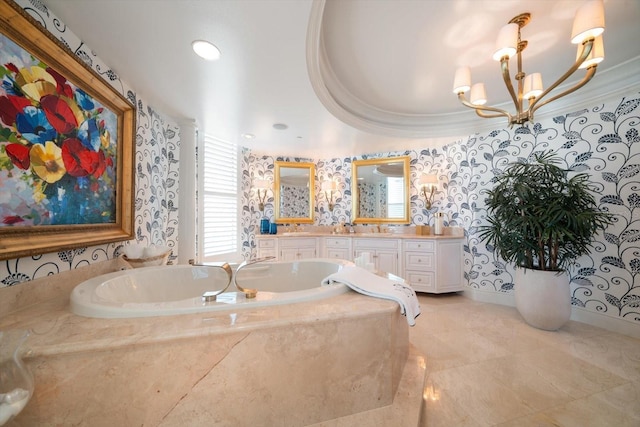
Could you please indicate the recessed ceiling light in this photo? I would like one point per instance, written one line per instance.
(248, 135)
(206, 50)
(280, 126)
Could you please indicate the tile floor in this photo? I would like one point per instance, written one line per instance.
(487, 367)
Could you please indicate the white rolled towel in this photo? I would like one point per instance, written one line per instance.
(368, 283)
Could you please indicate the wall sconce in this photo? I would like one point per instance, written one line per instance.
(329, 187)
(428, 185)
(262, 186)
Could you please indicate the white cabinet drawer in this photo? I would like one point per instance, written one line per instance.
(337, 253)
(337, 242)
(419, 261)
(420, 245)
(375, 244)
(263, 253)
(421, 281)
(298, 243)
(266, 243)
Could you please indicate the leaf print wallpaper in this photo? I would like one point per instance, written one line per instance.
(603, 141)
(156, 178)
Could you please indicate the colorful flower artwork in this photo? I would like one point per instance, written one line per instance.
(57, 147)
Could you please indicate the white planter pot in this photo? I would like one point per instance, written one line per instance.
(543, 298)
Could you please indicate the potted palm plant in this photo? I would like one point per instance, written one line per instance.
(541, 217)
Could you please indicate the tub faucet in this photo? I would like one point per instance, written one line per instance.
(249, 293)
(210, 296)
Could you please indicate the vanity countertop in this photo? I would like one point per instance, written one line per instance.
(381, 235)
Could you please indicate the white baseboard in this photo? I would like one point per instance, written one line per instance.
(501, 298)
(578, 314)
(604, 321)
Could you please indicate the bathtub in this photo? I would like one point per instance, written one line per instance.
(171, 290)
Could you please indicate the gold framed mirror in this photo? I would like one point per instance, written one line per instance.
(294, 192)
(380, 190)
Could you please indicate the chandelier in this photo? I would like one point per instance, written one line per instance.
(588, 27)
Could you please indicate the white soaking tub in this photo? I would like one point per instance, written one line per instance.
(170, 290)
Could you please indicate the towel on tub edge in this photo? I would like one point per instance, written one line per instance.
(368, 283)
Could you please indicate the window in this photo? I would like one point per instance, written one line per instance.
(218, 210)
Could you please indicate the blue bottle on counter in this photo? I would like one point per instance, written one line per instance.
(264, 226)
(273, 228)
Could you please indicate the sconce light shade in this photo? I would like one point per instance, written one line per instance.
(428, 185)
(428, 179)
(329, 187)
(262, 186)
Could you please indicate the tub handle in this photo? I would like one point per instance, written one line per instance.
(211, 296)
(249, 293)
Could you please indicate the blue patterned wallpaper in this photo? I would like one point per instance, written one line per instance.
(156, 178)
(603, 141)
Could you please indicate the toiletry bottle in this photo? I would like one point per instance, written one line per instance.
(439, 225)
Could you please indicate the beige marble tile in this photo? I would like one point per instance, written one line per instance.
(406, 408)
(295, 376)
(442, 408)
(513, 375)
(591, 411)
(476, 392)
(624, 398)
(573, 376)
(610, 351)
(525, 383)
(474, 346)
(439, 354)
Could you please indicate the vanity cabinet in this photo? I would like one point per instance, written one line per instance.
(384, 253)
(293, 249)
(337, 248)
(433, 266)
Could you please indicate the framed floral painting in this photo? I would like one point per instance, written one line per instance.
(66, 146)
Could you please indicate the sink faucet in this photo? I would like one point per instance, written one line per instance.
(249, 293)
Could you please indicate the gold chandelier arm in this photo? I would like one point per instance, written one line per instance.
(480, 109)
(586, 50)
(591, 71)
(491, 116)
(504, 66)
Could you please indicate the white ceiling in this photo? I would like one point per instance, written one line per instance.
(384, 68)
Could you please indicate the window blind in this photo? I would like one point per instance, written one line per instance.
(219, 225)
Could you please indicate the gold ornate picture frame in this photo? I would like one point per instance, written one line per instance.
(66, 146)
